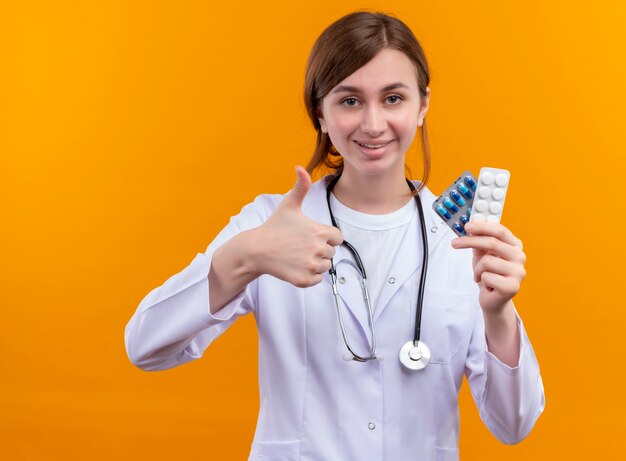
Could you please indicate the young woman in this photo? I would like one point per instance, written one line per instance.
(347, 372)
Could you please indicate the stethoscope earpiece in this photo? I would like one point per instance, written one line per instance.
(349, 358)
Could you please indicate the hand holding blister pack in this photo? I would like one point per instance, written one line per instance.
(470, 199)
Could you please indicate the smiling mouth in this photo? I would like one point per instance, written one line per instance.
(372, 146)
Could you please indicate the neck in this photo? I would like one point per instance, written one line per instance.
(373, 194)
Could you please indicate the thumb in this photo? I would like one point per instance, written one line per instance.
(303, 183)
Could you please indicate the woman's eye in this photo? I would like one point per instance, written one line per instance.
(394, 99)
(351, 102)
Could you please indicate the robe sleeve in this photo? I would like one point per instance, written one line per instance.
(509, 400)
(173, 323)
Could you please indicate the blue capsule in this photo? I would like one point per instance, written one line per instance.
(450, 205)
(464, 219)
(443, 212)
(458, 228)
(470, 182)
(464, 190)
(457, 197)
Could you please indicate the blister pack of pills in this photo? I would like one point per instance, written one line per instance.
(470, 199)
(455, 204)
(490, 194)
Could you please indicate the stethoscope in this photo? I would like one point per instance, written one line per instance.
(414, 355)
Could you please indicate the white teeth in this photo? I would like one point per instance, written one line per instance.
(372, 146)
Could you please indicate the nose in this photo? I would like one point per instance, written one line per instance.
(373, 122)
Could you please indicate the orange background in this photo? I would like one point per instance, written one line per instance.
(131, 131)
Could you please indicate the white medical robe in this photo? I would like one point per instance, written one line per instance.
(315, 405)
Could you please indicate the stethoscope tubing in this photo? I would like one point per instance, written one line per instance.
(420, 293)
(361, 267)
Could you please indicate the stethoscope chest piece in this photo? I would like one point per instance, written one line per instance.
(415, 357)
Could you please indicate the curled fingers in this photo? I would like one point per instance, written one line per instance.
(506, 286)
(495, 265)
(493, 246)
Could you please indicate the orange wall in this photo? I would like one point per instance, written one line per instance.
(131, 131)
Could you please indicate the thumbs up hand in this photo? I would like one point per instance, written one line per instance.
(293, 247)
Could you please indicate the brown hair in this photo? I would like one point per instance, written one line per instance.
(344, 47)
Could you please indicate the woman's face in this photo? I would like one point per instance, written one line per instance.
(372, 115)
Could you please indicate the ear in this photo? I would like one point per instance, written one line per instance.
(423, 107)
(321, 121)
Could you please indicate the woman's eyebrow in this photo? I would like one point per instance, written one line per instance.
(355, 89)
